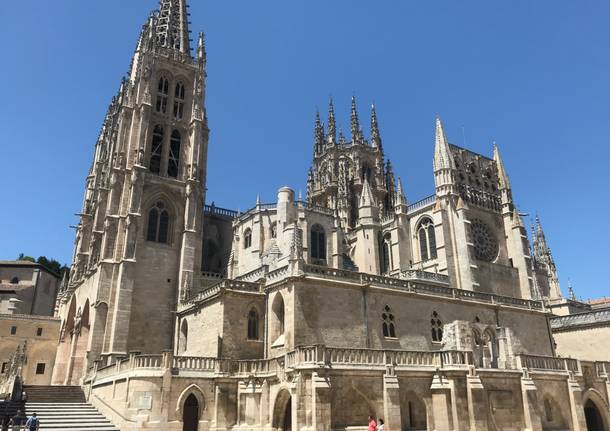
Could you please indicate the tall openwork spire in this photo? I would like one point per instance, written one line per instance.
(171, 29)
(332, 125)
(375, 135)
(354, 122)
(318, 135)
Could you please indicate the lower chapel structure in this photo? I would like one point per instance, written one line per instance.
(306, 314)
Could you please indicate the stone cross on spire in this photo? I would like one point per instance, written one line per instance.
(171, 27)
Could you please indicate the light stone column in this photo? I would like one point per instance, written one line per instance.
(441, 402)
(576, 407)
(391, 400)
(320, 402)
(477, 403)
(529, 396)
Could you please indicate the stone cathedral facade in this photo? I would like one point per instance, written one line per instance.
(305, 314)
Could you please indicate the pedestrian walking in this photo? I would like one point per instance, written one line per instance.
(5, 421)
(381, 426)
(17, 421)
(372, 424)
(33, 423)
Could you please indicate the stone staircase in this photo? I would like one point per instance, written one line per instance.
(64, 408)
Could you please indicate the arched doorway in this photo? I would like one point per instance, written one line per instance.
(282, 411)
(593, 417)
(190, 414)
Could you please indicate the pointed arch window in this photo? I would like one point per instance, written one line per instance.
(387, 325)
(247, 238)
(174, 154)
(386, 254)
(253, 325)
(179, 101)
(162, 95)
(158, 224)
(156, 150)
(427, 240)
(274, 230)
(437, 327)
(318, 245)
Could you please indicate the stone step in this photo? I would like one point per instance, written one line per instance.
(69, 416)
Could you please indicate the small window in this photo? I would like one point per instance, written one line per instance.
(40, 368)
(387, 325)
(427, 240)
(156, 150)
(39, 332)
(158, 224)
(179, 101)
(247, 238)
(318, 245)
(253, 325)
(4, 367)
(174, 154)
(15, 280)
(437, 328)
(13, 330)
(274, 230)
(162, 95)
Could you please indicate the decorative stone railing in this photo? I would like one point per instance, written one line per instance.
(589, 318)
(223, 212)
(547, 363)
(337, 357)
(422, 282)
(421, 203)
(224, 284)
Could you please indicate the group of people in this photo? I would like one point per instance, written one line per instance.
(20, 422)
(373, 425)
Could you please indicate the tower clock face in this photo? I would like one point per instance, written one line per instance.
(484, 240)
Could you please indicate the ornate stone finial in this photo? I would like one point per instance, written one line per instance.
(502, 175)
(375, 135)
(354, 122)
(571, 292)
(443, 158)
(341, 138)
(201, 54)
(401, 198)
(332, 126)
(258, 200)
(318, 135)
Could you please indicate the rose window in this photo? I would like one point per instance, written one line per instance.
(485, 242)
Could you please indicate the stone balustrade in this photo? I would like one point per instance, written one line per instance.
(421, 204)
(548, 363)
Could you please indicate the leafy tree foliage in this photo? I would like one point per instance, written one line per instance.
(51, 264)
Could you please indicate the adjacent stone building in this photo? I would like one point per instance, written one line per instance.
(306, 314)
(30, 288)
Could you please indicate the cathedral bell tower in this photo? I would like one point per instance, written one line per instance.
(138, 242)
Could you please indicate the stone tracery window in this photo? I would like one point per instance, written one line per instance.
(485, 242)
(174, 154)
(387, 325)
(318, 245)
(156, 150)
(427, 240)
(253, 325)
(386, 254)
(274, 230)
(162, 95)
(437, 327)
(247, 238)
(179, 101)
(158, 224)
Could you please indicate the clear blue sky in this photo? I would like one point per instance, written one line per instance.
(531, 75)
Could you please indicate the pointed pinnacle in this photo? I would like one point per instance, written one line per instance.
(332, 128)
(354, 122)
(443, 159)
(502, 175)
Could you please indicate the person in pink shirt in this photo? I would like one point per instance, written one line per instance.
(372, 424)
